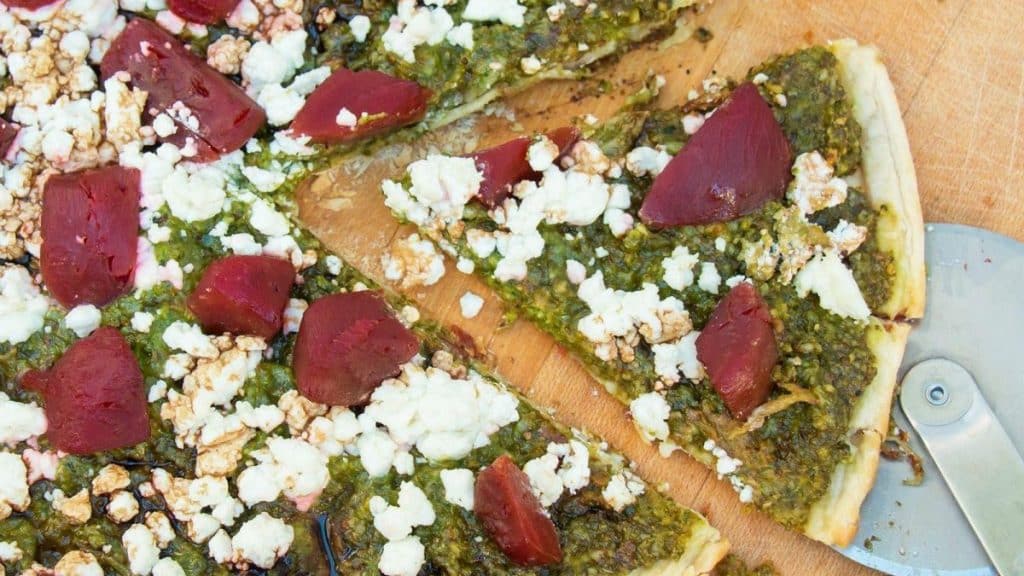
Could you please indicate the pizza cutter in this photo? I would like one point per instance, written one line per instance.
(961, 400)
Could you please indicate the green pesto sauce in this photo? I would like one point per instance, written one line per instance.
(788, 461)
(732, 565)
(595, 540)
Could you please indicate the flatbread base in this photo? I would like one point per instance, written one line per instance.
(891, 187)
(705, 550)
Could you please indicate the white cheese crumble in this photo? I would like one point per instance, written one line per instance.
(827, 276)
(415, 25)
(83, 320)
(287, 465)
(402, 557)
(360, 27)
(22, 307)
(261, 541)
(168, 567)
(470, 305)
(14, 494)
(709, 280)
(441, 186)
(647, 161)
(397, 522)
(650, 414)
(140, 546)
(414, 262)
(814, 187)
(346, 118)
(622, 490)
(77, 563)
(679, 268)
(680, 356)
(443, 417)
(726, 467)
(459, 486)
(530, 65)
(575, 271)
(142, 322)
(20, 421)
(508, 12)
(563, 467)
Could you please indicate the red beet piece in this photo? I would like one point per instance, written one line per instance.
(162, 66)
(505, 164)
(738, 161)
(513, 517)
(387, 102)
(243, 295)
(90, 229)
(27, 4)
(738, 350)
(94, 396)
(202, 11)
(347, 344)
(8, 132)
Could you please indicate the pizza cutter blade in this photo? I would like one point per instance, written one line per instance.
(961, 400)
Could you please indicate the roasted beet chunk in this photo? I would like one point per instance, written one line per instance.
(506, 164)
(352, 105)
(94, 396)
(738, 350)
(243, 295)
(512, 516)
(27, 4)
(222, 117)
(348, 344)
(90, 229)
(202, 11)
(8, 132)
(738, 161)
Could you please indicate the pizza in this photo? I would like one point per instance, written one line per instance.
(739, 270)
(191, 384)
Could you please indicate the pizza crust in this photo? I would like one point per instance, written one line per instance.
(704, 551)
(891, 187)
(888, 172)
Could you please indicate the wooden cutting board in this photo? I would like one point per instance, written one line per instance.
(958, 67)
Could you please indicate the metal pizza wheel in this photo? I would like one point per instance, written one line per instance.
(961, 400)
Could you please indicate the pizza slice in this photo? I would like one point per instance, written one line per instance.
(189, 384)
(738, 270)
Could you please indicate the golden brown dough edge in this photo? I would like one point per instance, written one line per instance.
(704, 551)
(888, 172)
(834, 518)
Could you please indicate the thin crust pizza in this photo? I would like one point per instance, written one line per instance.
(738, 269)
(190, 384)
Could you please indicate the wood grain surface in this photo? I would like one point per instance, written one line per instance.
(958, 67)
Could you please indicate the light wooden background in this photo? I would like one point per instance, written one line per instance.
(958, 67)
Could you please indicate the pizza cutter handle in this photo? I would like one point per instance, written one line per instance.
(976, 457)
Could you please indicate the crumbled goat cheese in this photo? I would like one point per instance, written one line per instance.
(22, 306)
(140, 546)
(680, 356)
(679, 268)
(827, 276)
(77, 563)
(292, 466)
(458, 487)
(396, 522)
(814, 187)
(622, 490)
(142, 322)
(709, 280)
(415, 25)
(644, 161)
(360, 27)
(83, 320)
(530, 65)
(414, 262)
(261, 541)
(20, 421)
(650, 414)
(505, 11)
(14, 496)
(441, 188)
(445, 418)
(470, 305)
(846, 237)
(726, 467)
(403, 557)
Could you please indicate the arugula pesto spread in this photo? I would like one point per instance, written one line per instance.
(784, 461)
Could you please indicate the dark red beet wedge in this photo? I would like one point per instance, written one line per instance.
(202, 11)
(162, 66)
(505, 164)
(738, 161)
(738, 350)
(90, 229)
(513, 517)
(378, 102)
(94, 396)
(347, 345)
(243, 295)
